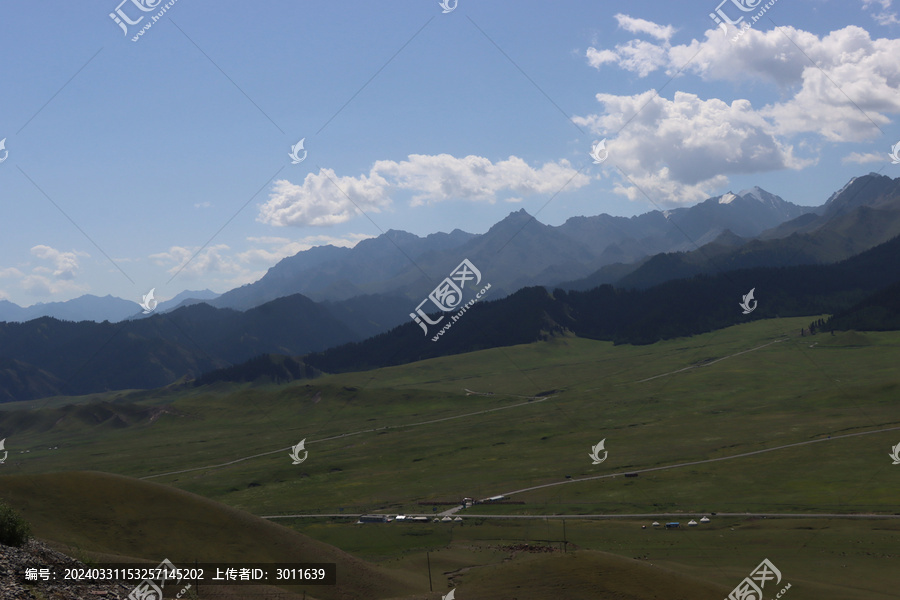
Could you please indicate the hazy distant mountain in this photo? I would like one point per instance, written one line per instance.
(186, 298)
(851, 222)
(517, 251)
(331, 273)
(97, 309)
(83, 308)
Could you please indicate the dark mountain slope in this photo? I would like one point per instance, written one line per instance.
(676, 308)
(20, 380)
(878, 312)
(77, 358)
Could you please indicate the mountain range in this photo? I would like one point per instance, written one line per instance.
(396, 262)
(516, 252)
(366, 323)
(677, 308)
(863, 214)
(95, 308)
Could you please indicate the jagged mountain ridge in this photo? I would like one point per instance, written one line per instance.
(515, 252)
(850, 222)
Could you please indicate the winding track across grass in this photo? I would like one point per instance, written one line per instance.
(700, 462)
(532, 400)
(712, 362)
(676, 466)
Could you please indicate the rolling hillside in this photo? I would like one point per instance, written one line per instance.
(148, 521)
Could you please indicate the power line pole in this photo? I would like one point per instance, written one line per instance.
(428, 556)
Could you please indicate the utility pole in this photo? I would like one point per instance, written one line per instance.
(428, 557)
(565, 539)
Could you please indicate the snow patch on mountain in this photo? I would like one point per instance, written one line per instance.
(727, 198)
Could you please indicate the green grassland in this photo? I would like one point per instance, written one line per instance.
(381, 441)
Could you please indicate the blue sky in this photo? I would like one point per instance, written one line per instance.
(127, 158)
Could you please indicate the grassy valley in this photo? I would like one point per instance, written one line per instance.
(501, 420)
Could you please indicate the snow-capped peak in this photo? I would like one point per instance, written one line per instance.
(727, 198)
(755, 192)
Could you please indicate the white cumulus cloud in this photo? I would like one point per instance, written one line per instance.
(64, 264)
(839, 87)
(444, 177)
(677, 150)
(42, 286)
(326, 199)
(634, 25)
